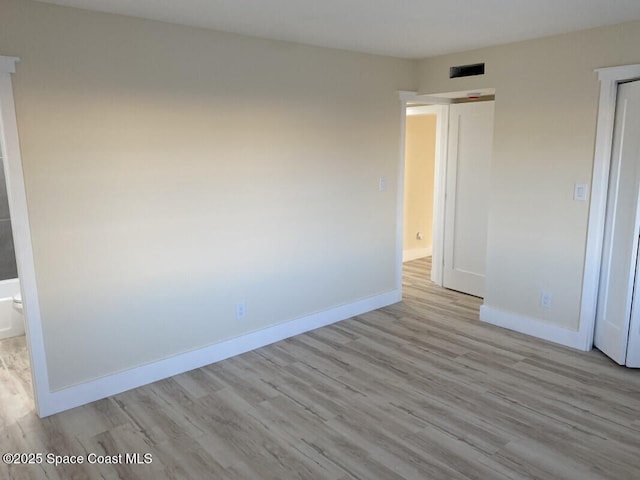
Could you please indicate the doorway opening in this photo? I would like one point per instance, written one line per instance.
(444, 178)
(15, 372)
(11, 321)
(419, 177)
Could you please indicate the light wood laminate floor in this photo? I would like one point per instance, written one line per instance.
(417, 390)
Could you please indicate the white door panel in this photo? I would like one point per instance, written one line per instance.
(467, 193)
(620, 246)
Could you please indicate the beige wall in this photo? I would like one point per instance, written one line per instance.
(420, 144)
(172, 171)
(546, 107)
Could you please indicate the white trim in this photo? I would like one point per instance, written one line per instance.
(8, 64)
(54, 402)
(415, 253)
(621, 73)
(609, 80)
(404, 98)
(21, 231)
(531, 326)
(433, 100)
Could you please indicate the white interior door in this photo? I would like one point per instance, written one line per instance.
(467, 194)
(620, 247)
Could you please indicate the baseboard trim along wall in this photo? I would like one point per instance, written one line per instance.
(531, 326)
(67, 398)
(414, 254)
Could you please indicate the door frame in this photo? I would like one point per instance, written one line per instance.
(10, 143)
(440, 108)
(440, 103)
(609, 78)
(442, 122)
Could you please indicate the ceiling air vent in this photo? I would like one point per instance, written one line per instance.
(466, 70)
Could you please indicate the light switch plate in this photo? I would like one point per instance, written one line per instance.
(580, 192)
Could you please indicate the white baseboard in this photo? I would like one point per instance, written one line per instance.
(414, 254)
(70, 397)
(531, 326)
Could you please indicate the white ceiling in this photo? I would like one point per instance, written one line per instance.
(402, 28)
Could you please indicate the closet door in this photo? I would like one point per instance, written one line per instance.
(620, 249)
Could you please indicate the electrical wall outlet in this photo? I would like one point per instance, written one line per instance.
(545, 299)
(241, 310)
(382, 184)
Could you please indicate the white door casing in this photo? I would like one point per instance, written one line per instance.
(620, 244)
(470, 149)
(22, 235)
(610, 78)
